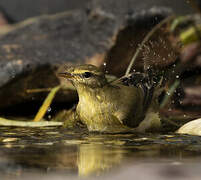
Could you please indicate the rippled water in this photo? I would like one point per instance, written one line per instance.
(51, 151)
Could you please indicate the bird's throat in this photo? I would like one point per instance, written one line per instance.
(93, 106)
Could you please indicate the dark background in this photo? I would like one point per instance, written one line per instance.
(22, 9)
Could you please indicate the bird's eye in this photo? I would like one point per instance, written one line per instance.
(87, 75)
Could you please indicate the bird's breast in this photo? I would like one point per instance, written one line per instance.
(109, 108)
(97, 112)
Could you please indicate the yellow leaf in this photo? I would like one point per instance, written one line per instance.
(46, 104)
(9, 122)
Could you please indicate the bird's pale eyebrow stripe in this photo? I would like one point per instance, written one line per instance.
(79, 71)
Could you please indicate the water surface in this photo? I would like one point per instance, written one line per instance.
(59, 152)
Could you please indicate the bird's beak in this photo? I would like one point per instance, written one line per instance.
(65, 75)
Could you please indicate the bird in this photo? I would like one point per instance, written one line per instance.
(125, 104)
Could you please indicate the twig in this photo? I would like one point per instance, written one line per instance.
(38, 90)
(171, 122)
(169, 93)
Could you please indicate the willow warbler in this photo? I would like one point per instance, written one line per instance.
(110, 107)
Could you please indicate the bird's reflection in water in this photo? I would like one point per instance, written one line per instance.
(69, 153)
(94, 159)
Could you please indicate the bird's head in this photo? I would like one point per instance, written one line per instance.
(84, 76)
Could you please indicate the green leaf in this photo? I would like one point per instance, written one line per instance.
(190, 35)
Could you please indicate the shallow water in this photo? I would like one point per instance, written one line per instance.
(54, 152)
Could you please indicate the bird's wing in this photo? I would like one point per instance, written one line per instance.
(142, 81)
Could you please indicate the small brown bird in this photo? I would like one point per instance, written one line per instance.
(116, 106)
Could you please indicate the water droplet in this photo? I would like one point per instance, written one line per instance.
(49, 109)
(12, 74)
